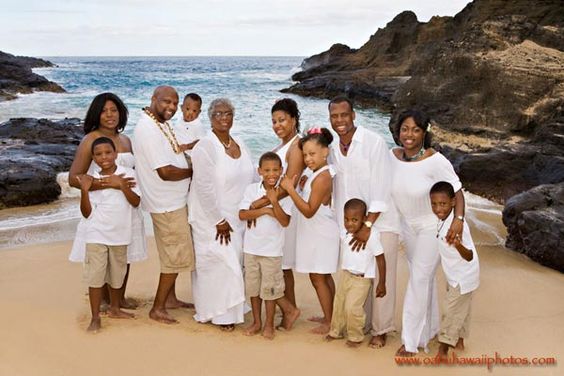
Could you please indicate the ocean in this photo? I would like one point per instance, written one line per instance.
(252, 84)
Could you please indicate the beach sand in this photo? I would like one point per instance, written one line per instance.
(518, 311)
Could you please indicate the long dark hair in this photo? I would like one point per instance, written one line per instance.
(290, 107)
(92, 119)
(421, 119)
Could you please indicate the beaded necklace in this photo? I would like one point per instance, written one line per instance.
(168, 133)
(440, 226)
(419, 154)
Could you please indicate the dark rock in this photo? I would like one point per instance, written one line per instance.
(33, 152)
(16, 76)
(535, 224)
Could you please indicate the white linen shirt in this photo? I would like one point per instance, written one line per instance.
(365, 173)
(364, 260)
(267, 237)
(152, 150)
(110, 221)
(457, 270)
(189, 131)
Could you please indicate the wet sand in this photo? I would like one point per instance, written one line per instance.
(517, 311)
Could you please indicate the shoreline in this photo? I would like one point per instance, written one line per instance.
(48, 323)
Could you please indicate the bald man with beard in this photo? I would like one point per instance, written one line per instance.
(163, 175)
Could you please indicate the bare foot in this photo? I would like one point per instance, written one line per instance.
(443, 351)
(268, 332)
(330, 338)
(175, 303)
(404, 353)
(95, 325)
(252, 329)
(161, 315)
(119, 314)
(321, 329)
(289, 320)
(459, 344)
(128, 303)
(353, 344)
(104, 307)
(377, 342)
(316, 319)
(227, 328)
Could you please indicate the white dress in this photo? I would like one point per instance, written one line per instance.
(289, 250)
(137, 250)
(411, 183)
(317, 238)
(218, 185)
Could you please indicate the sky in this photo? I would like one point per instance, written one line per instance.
(199, 28)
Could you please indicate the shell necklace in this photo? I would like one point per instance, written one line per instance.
(168, 132)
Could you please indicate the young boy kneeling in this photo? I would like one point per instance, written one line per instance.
(262, 247)
(461, 268)
(108, 214)
(359, 268)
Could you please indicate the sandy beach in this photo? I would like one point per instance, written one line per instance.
(517, 311)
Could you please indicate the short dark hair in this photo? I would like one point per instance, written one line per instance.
(355, 204)
(341, 99)
(92, 119)
(100, 141)
(320, 135)
(290, 107)
(269, 156)
(194, 97)
(421, 119)
(443, 187)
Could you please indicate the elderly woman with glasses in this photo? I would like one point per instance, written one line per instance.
(222, 171)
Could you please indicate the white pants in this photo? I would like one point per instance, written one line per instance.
(380, 312)
(420, 321)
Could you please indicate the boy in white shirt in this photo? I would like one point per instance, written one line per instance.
(358, 271)
(460, 265)
(262, 247)
(108, 214)
(190, 127)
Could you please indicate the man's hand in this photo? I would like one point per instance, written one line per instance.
(85, 182)
(381, 290)
(223, 232)
(360, 238)
(455, 231)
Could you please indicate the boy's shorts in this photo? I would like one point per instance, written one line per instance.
(105, 264)
(264, 277)
(173, 236)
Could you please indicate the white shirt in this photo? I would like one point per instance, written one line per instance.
(267, 237)
(189, 131)
(364, 260)
(365, 173)
(110, 221)
(152, 150)
(457, 270)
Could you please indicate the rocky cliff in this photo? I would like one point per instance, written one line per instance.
(16, 76)
(492, 79)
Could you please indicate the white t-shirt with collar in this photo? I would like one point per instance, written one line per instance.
(267, 237)
(189, 131)
(153, 150)
(457, 270)
(364, 260)
(110, 221)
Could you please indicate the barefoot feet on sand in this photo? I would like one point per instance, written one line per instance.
(268, 332)
(227, 327)
(128, 303)
(377, 342)
(353, 344)
(289, 320)
(404, 353)
(252, 329)
(119, 314)
(316, 319)
(172, 303)
(95, 325)
(459, 345)
(161, 315)
(321, 329)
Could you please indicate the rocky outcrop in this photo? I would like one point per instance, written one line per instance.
(16, 76)
(535, 224)
(33, 153)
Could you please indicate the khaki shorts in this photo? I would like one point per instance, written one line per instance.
(105, 264)
(264, 277)
(174, 241)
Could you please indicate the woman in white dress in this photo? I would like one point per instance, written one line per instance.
(415, 168)
(107, 117)
(317, 236)
(222, 171)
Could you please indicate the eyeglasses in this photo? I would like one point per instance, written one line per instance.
(220, 114)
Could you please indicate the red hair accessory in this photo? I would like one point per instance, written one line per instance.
(314, 131)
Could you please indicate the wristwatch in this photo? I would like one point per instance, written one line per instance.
(460, 217)
(368, 224)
